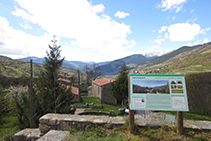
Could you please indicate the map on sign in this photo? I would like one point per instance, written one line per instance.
(158, 92)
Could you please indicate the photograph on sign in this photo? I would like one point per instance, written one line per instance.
(151, 86)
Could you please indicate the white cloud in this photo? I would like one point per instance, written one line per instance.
(159, 36)
(191, 20)
(153, 47)
(98, 8)
(121, 14)
(22, 13)
(79, 22)
(172, 4)
(163, 29)
(197, 42)
(159, 41)
(192, 11)
(183, 31)
(25, 26)
(189, 44)
(203, 31)
(205, 40)
(166, 35)
(16, 43)
(173, 18)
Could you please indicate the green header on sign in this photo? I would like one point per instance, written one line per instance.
(167, 75)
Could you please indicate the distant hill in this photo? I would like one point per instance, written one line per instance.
(198, 60)
(183, 60)
(69, 64)
(18, 68)
(113, 67)
(35, 59)
(164, 59)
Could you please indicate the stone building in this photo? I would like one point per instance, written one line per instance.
(66, 80)
(75, 92)
(101, 89)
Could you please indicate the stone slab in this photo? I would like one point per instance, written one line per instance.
(27, 135)
(153, 124)
(206, 127)
(170, 117)
(54, 135)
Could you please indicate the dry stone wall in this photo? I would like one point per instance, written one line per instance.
(65, 122)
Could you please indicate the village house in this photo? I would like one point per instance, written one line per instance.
(65, 80)
(101, 89)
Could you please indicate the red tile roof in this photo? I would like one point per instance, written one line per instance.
(102, 81)
(74, 90)
(64, 80)
(65, 76)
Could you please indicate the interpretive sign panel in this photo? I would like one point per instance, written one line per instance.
(158, 92)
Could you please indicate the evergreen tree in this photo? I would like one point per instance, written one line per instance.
(53, 97)
(119, 88)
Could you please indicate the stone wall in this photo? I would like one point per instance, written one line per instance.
(66, 122)
(96, 91)
(106, 95)
(103, 93)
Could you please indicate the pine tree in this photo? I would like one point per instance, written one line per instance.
(119, 88)
(53, 96)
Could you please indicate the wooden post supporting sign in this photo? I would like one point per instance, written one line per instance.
(180, 122)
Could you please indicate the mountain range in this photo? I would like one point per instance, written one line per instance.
(186, 59)
(69, 64)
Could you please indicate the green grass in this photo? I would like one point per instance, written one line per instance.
(142, 134)
(95, 134)
(83, 87)
(96, 101)
(8, 126)
(107, 108)
(191, 116)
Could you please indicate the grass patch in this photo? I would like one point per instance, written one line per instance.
(96, 134)
(191, 115)
(85, 100)
(107, 108)
(143, 134)
(96, 101)
(8, 126)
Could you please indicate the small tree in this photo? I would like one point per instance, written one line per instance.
(119, 88)
(53, 96)
(19, 101)
(92, 72)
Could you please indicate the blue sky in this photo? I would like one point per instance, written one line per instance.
(102, 30)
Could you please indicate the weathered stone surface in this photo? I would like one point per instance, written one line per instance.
(153, 124)
(27, 135)
(121, 111)
(44, 128)
(111, 112)
(170, 117)
(83, 122)
(206, 127)
(54, 135)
